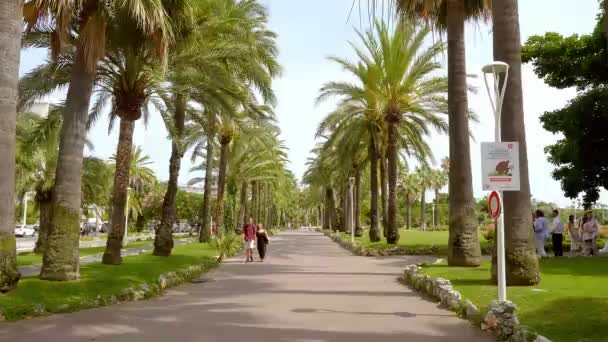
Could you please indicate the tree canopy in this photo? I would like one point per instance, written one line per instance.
(581, 155)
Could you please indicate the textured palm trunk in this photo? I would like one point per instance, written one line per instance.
(44, 204)
(423, 210)
(437, 213)
(326, 217)
(203, 235)
(374, 232)
(383, 194)
(163, 241)
(221, 184)
(243, 205)
(112, 256)
(10, 40)
(61, 259)
(344, 226)
(254, 201)
(392, 236)
(409, 215)
(357, 195)
(329, 208)
(463, 243)
(259, 202)
(521, 261)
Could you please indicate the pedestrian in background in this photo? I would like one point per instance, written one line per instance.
(541, 233)
(263, 240)
(575, 236)
(249, 232)
(557, 234)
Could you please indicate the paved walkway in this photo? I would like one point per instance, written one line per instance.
(309, 290)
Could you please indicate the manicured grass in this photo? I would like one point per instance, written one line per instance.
(31, 258)
(415, 242)
(570, 304)
(35, 297)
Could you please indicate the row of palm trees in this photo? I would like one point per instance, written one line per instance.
(383, 120)
(205, 65)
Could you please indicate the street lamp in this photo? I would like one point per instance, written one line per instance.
(496, 69)
(351, 187)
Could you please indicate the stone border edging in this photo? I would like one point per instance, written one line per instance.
(500, 318)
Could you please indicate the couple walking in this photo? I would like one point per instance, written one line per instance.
(251, 233)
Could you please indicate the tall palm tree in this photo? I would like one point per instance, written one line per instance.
(10, 40)
(412, 100)
(521, 261)
(450, 16)
(425, 178)
(89, 19)
(439, 180)
(411, 189)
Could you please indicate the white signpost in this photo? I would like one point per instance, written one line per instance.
(500, 166)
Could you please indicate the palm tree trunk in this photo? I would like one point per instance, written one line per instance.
(329, 208)
(344, 208)
(243, 205)
(374, 232)
(221, 184)
(392, 236)
(326, 211)
(521, 261)
(357, 196)
(409, 215)
(383, 193)
(423, 210)
(163, 241)
(10, 40)
(204, 234)
(61, 259)
(437, 214)
(111, 256)
(254, 201)
(463, 244)
(44, 204)
(259, 202)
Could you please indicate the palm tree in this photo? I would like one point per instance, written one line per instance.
(10, 40)
(439, 180)
(521, 261)
(89, 18)
(426, 182)
(411, 98)
(451, 15)
(411, 189)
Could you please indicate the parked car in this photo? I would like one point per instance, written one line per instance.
(24, 231)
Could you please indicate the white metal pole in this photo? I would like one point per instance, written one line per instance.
(24, 209)
(500, 236)
(496, 69)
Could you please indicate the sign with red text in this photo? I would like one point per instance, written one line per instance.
(500, 166)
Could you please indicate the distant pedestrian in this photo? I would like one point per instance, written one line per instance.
(557, 234)
(541, 233)
(575, 236)
(590, 232)
(262, 243)
(249, 232)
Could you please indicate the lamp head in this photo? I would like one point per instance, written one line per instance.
(495, 67)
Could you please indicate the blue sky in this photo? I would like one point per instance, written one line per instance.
(309, 31)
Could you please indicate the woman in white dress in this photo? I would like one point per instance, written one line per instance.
(574, 234)
(541, 232)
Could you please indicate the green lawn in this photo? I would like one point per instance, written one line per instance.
(570, 303)
(97, 279)
(31, 258)
(415, 242)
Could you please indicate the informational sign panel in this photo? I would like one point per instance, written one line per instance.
(500, 166)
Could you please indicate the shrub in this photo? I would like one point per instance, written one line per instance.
(226, 245)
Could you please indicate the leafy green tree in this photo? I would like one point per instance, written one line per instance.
(577, 61)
